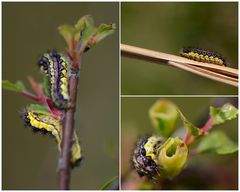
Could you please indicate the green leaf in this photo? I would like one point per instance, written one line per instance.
(67, 31)
(83, 21)
(103, 31)
(109, 183)
(38, 109)
(226, 112)
(85, 25)
(217, 142)
(18, 86)
(163, 115)
(192, 129)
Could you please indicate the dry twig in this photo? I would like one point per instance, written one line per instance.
(219, 73)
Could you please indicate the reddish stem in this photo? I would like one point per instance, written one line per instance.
(33, 97)
(189, 139)
(208, 125)
(35, 86)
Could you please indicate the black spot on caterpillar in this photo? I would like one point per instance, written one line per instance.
(56, 68)
(46, 123)
(203, 56)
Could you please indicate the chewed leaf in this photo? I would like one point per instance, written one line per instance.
(192, 129)
(226, 112)
(217, 142)
(18, 86)
(163, 115)
(109, 183)
(39, 119)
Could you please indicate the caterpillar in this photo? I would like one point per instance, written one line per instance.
(203, 56)
(144, 156)
(55, 66)
(46, 123)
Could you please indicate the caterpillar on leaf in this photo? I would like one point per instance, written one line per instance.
(46, 123)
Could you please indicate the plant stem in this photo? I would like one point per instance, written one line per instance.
(67, 140)
(208, 125)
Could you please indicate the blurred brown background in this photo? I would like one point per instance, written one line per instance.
(30, 160)
(205, 171)
(168, 27)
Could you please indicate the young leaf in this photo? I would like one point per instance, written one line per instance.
(109, 183)
(38, 109)
(217, 142)
(68, 32)
(18, 86)
(103, 31)
(226, 112)
(192, 129)
(163, 115)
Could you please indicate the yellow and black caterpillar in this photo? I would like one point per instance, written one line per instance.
(56, 66)
(46, 123)
(203, 56)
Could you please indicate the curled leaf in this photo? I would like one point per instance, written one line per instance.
(217, 142)
(225, 113)
(172, 156)
(156, 158)
(163, 115)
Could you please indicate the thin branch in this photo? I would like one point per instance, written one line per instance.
(215, 72)
(69, 121)
(67, 140)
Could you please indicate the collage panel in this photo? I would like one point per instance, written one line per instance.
(120, 95)
(157, 36)
(55, 34)
(179, 143)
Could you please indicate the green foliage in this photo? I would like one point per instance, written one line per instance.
(225, 113)
(192, 129)
(38, 109)
(18, 86)
(163, 115)
(106, 185)
(217, 142)
(85, 34)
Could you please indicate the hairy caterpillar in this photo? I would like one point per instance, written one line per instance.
(144, 156)
(56, 68)
(44, 122)
(203, 56)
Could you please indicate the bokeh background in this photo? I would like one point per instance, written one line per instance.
(168, 27)
(29, 160)
(206, 171)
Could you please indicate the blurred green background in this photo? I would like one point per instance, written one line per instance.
(206, 171)
(167, 27)
(30, 160)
